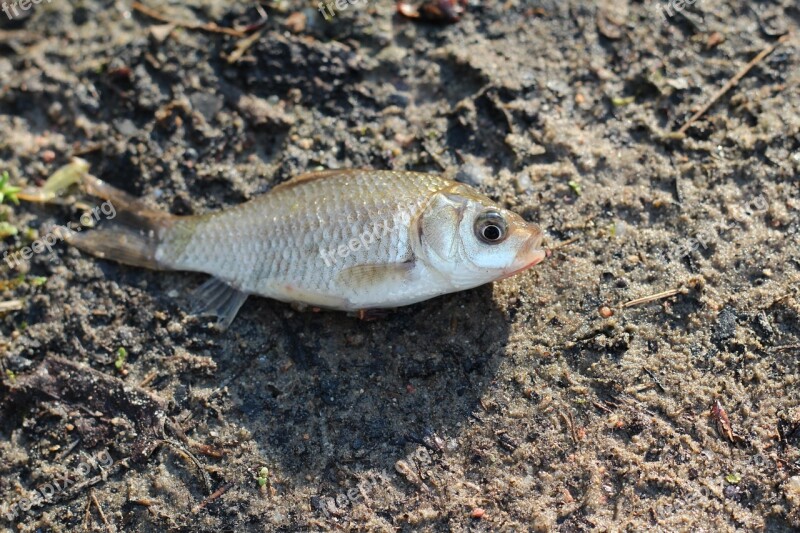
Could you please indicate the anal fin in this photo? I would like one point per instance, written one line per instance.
(217, 298)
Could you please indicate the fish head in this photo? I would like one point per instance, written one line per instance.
(470, 240)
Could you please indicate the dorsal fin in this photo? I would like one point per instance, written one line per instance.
(313, 176)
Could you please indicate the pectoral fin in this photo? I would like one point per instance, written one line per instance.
(217, 298)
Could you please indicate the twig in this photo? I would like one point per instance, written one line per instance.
(570, 422)
(22, 35)
(68, 450)
(181, 449)
(602, 407)
(102, 514)
(148, 379)
(217, 494)
(243, 45)
(209, 26)
(565, 243)
(87, 514)
(785, 347)
(733, 81)
(658, 296)
(11, 305)
(260, 23)
(654, 378)
(779, 300)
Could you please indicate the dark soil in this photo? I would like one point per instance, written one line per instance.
(512, 407)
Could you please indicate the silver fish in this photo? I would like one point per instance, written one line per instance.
(339, 239)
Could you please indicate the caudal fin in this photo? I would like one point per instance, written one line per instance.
(132, 232)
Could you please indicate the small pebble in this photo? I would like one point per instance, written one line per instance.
(471, 174)
(478, 513)
(606, 312)
(296, 22)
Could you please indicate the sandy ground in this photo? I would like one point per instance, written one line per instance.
(518, 406)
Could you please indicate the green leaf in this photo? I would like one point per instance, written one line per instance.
(620, 101)
(7, 230)
(37, 281)
(8, 191)
(122, 354)
(733, 479)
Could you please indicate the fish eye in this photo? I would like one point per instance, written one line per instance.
(491, 227)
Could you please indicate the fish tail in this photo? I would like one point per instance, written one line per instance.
(133, 234)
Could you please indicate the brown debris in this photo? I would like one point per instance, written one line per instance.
(605, 311)
(478, 513)
(215, 496)
(189, 25)
(243, 45)
(446, 11)
(723, 424)
(715, 39)
(296, 22)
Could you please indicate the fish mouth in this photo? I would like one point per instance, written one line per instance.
(529, 255)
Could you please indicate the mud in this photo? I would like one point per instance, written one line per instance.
(540, 403)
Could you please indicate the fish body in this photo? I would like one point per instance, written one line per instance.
(338, 239)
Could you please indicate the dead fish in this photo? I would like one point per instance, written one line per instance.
(350, 240)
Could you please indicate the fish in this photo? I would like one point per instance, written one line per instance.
(351, 240)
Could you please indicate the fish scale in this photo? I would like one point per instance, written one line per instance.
(347, 206)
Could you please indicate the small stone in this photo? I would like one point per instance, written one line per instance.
(792, 489)
(471, 174)
(478, 513)
(296, 22)
(523, 183)
(606, 312)
(714, 39)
